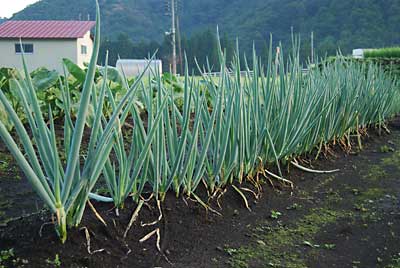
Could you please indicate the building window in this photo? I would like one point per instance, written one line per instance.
(27, 48)
(83, 49)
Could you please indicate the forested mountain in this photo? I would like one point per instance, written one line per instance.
(346, 24)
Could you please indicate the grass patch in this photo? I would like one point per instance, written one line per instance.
(284, 246)
(395, 262)
(373, 193)
(278, 246)
(393, 160)
(375, 173)
(386, 149)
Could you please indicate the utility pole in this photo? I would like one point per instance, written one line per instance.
(312, 47)
(178, 36)
(173, 37)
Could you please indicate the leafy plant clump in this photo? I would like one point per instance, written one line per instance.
(387, 52)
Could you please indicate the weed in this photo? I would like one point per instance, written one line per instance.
(56, 262)
(386, 149)
(294, 206)
(275, 214)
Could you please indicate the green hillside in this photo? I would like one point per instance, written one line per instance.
(344, 23)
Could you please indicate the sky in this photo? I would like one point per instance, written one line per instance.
(9, 7)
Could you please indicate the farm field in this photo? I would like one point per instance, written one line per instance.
(347, 219)
(268, 167)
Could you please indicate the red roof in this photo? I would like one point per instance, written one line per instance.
(45, 29)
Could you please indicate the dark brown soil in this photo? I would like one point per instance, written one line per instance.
(361, 204)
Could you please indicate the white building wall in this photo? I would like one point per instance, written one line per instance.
(84, 58)
(46, 53)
